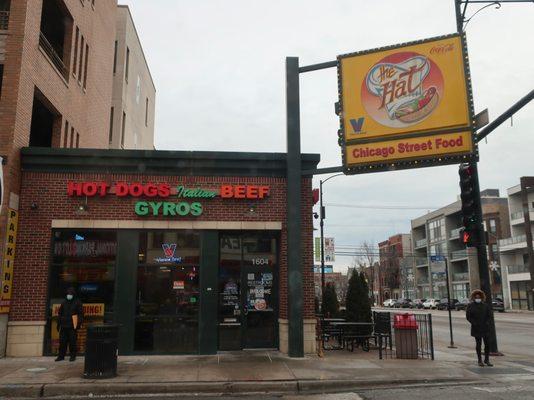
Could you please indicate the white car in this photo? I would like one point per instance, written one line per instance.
(430, 304)
(389, 303)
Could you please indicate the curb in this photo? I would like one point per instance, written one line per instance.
(238, 387)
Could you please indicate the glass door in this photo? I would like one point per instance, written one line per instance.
(248, 297)
(259, 295)
(166, 319)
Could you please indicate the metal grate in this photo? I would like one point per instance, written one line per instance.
(53, 55)
(404, 343)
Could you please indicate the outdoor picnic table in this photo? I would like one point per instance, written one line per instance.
(345, 336)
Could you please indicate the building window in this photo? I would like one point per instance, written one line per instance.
(1, 78)
(111, 124)
(71, 137)
(43, 123)
(115, 57)
(84, 260)
(436, 230)
(66, 134)
(123, 130)
(76, 39)
(127, 68)
(146, 112)
(493, 225)
(5, 7)
(80, 63)
(85, 66)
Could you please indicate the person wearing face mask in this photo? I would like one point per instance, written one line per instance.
(478, 314)
(70, 318)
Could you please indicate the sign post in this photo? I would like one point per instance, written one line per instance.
(441, 258)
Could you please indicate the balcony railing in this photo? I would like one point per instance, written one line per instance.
(518, 269)
(422, 281)
(461, 276)
(4, 20)
(459, 254)
(53, 55)
(420, 242)
(517, 215)
(513, 240)
(455, 233)
(421, 261)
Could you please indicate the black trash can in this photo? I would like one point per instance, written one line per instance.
(101, 351)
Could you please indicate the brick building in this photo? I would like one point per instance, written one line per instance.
(134, 93)
(189, 255)
(56, 75)
(388, 275)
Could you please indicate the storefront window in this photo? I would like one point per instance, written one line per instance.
(84, 260)
(167, 292)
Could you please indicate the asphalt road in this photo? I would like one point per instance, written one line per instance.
(515, 332)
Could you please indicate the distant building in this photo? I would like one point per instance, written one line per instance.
(387, 275)
(438, 233)
(134, 93)
(339, 280)
(516, 252)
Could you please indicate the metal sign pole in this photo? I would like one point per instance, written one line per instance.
(482, 257)
(451, 345)
(295, 301)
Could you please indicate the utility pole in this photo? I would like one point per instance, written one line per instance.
(482, 257)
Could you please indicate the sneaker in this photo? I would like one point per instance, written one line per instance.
(59, 358)
(72, 358)
(488, 363)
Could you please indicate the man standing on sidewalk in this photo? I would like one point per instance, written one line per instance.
(70, 318)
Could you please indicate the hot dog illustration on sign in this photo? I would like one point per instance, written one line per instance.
(402, 89)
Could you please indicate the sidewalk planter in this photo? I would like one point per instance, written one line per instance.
(101, 351)
(406, 327)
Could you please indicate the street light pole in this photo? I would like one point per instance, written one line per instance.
(321, 224)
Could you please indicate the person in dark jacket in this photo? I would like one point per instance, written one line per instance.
(478, 314)
(69, 320)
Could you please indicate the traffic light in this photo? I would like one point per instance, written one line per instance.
(469, 234)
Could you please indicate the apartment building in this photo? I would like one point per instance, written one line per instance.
(134, 94)
(56, 71)
(438, 233)
(516, 251)
(388, 275)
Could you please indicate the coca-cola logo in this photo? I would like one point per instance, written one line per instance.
(442, 49)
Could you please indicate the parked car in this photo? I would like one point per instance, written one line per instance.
(417, 303)
(389, 303)
(396, 303)
(444, 304)
(403, 303)
(461, 305)
(430, 304)
(498, 304)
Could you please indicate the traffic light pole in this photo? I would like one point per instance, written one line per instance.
(482, 256)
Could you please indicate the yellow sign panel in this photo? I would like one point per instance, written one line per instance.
(417, 148)
(412, 88)
(89, 309)
(8, 261)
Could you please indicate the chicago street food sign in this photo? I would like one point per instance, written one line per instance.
(406, 106)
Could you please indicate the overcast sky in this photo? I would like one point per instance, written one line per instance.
(218, 67)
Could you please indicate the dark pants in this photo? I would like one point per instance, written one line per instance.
(479, 348)
(67, 337)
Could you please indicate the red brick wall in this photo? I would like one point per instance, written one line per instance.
(27, 68)
(48, 191)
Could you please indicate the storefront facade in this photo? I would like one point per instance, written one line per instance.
(186, 251)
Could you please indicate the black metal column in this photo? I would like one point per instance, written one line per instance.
(294, 248)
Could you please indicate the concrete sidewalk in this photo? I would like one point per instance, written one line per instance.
(242, 372)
